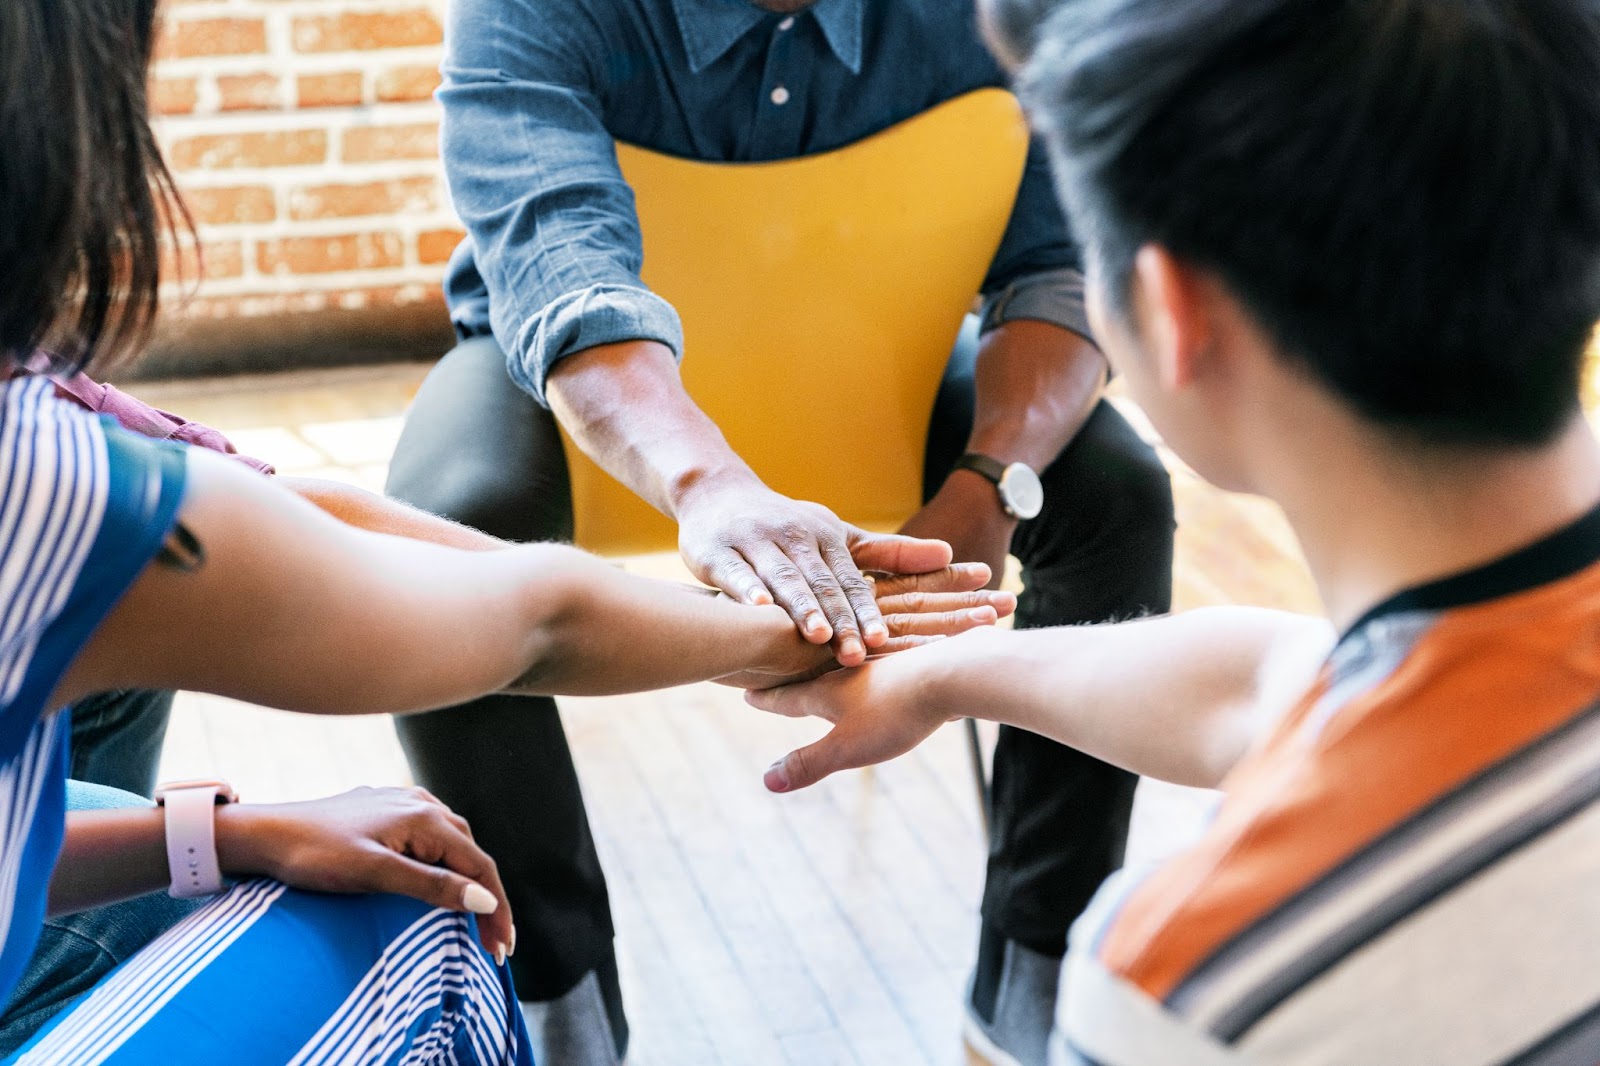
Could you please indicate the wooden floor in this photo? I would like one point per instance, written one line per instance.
(832, 926)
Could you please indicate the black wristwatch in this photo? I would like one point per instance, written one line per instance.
(1021, 492)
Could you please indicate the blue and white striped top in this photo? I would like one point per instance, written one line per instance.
(84, 507)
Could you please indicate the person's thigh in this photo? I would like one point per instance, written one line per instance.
(1100, 550)
(78, 950)
(117, 739)
(269, 975)
(478, 450)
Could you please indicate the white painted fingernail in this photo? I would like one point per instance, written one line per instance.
(500, 955)
(511, 948)
(479, 900)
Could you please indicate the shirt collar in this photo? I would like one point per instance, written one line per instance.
(711, 27)
(841, 25)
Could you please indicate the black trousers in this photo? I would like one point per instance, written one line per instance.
(478, 450)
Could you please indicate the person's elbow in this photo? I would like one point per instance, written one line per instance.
(552, 608)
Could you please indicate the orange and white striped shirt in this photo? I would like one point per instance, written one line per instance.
(1405, 871)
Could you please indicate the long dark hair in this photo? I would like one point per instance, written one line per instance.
(84, 194)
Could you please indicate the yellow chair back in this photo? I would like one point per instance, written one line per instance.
(820, 299)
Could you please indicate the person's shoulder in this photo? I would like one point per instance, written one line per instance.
(567, 21)
(57, 456)
(944, 34)
(42, 436)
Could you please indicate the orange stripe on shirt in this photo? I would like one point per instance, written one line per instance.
(1484, 682)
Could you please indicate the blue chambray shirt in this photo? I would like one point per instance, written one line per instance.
(536, 92)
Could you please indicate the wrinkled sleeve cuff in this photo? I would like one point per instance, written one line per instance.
(600, 314)
(1054, 296)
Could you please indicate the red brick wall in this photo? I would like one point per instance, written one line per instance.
(304, 136)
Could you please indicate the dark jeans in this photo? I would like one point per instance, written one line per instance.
(76, 951)
(116, 752)
(117, 738)
(480, 451)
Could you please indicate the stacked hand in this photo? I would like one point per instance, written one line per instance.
(396, 840)
(879, 712)
(916, 609)
(760, 547)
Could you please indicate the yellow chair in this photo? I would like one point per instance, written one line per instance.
(820, 300)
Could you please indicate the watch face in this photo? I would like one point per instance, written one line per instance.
(1021, 491)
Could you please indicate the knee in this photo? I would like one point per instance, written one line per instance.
(1103, 548)
(1141, 488)
(484, 491)
(88, 796)
(1110, 481)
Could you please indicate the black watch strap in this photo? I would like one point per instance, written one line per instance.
(993, 469)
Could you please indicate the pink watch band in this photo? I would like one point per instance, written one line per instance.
(192, 841)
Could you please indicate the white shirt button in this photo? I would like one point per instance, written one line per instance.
(780, 96)
(787, 24)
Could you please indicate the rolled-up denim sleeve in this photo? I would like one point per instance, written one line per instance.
(1054, 296)
(533, 174)
(1038, 271)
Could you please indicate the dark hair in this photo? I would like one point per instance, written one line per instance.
(84, 194)
(1404, 193)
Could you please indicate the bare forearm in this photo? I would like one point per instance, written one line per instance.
(378, 514)
(1179, 698)
(617, 633)
(294, 609)
(109, 856)
(1036, 384)
(625, 406)
(112, 855)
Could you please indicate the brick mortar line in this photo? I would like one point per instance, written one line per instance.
(331, 173)
(225, 8)
(427, 286)
(406, 224)
(311, 120)
(289, 61)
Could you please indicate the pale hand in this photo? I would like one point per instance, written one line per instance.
(760, 547)
(918, 609)
(399, 840)
(879, 712)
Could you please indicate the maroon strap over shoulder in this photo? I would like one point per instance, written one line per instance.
(136, 416)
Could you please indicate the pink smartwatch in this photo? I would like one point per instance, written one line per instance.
(192, 835)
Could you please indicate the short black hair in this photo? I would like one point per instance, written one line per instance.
(84, 194)
(1404, 193)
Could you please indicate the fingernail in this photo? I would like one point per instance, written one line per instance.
(777, 777)
(500, 955)
(851, 648)
(479, 900)
(511, 948)
(877, 633)
(761, 597)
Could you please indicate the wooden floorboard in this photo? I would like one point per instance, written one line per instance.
(836, 925)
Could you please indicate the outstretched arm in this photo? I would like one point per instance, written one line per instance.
(626, 407)
(379, 514)
(292, 608)
(1179, 698)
